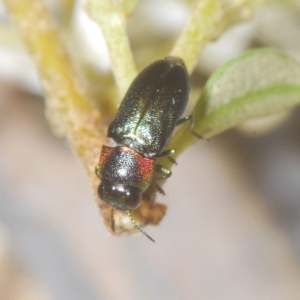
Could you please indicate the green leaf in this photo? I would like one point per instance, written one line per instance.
(258, 83)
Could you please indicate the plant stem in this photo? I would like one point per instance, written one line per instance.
(68, 102)
(208, 20)
(112, 23)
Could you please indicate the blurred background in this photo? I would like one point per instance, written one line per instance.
(232, 229)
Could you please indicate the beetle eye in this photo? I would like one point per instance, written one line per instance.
(120, 196)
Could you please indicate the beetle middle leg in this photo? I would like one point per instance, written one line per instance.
(168, 154)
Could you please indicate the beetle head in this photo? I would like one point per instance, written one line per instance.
(122, 197)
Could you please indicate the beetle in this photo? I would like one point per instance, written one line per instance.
(144, 123)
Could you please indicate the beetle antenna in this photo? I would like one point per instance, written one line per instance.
(112, 219)
(138, 227)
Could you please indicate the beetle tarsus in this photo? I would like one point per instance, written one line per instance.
(159, 189)
(189, 118)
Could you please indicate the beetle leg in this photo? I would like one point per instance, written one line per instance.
(167, 153)
(172, 160)
(160, 190)
(112, 219)
(166, 173)
(97, 171)
(185, 119)
(190, 119)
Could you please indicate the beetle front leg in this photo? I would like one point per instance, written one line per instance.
(97, 171)
(166, 173)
